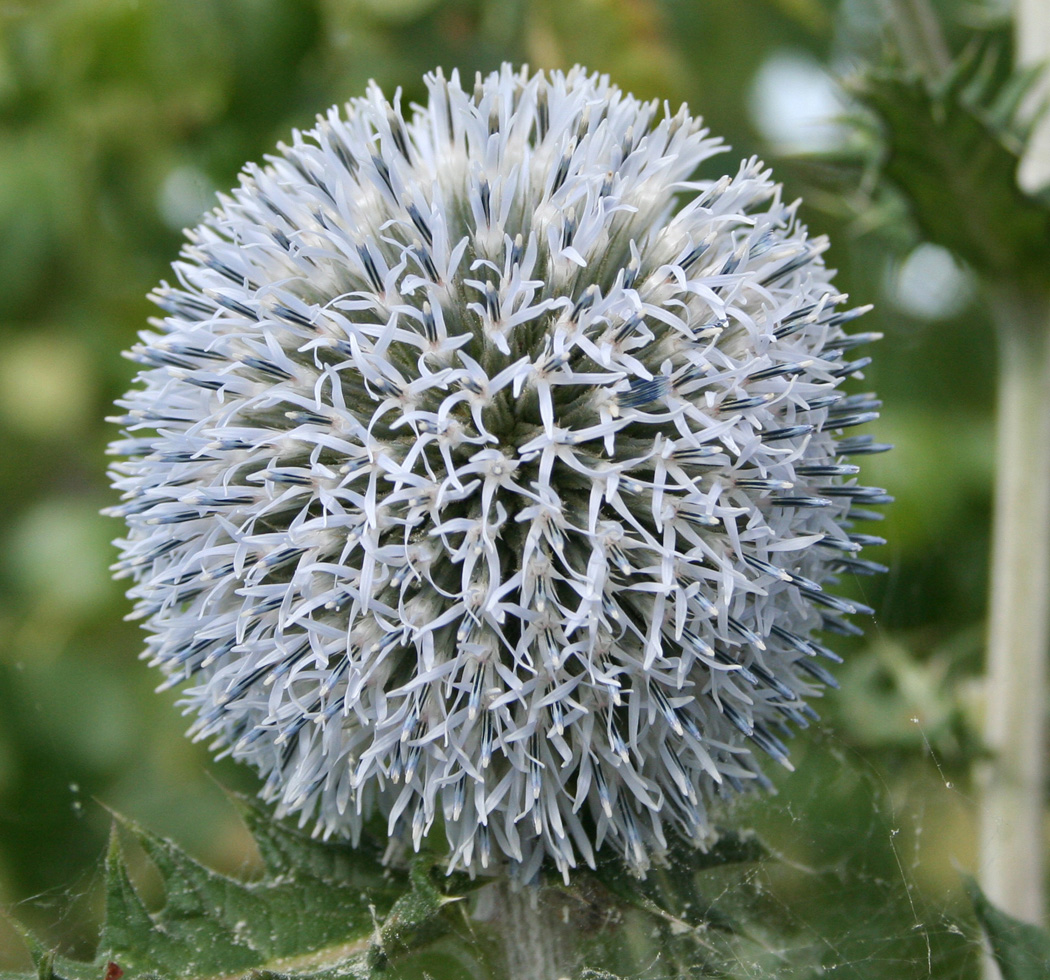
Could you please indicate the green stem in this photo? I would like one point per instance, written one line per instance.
(1011, 807)
(539, 938)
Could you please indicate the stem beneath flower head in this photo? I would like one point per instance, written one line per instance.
(1011, 809)
(539, 937)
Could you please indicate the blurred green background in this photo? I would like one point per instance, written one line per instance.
(119, 119)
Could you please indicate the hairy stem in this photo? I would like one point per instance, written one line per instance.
(1011, 809)
(538, 935)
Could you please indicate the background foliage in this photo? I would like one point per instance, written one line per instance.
(118, 121)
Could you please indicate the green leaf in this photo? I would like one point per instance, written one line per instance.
(36, 949)
(953, 151)
(416, 917)
(329, 911)
(129, 934)
(49, 966)
(314, 913)
(1022, 951)
(286, 852)
(672, 892)
(811, 15)
(682, 901)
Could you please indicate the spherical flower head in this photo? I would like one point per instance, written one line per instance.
(486, 469)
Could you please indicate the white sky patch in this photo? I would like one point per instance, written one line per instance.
(795, 104)
(929, 284)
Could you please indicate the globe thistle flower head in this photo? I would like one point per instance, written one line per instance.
(487, 468)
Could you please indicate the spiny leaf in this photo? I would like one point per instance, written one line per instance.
(129, 934)
(1022, 951)
(312, 915)
(672, 891)
(415, 918)
(326, 912)
(46, 961)
(287, 851)
(45, 968)
(191, 889)
(204, 911)
(36, 949)
(953, 151)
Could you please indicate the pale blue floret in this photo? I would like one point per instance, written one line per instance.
(486, 472)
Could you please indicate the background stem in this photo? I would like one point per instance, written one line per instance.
(1032, 43)
(1011, 809)
(1011, 818)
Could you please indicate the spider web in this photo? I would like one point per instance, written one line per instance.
(847, 892)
